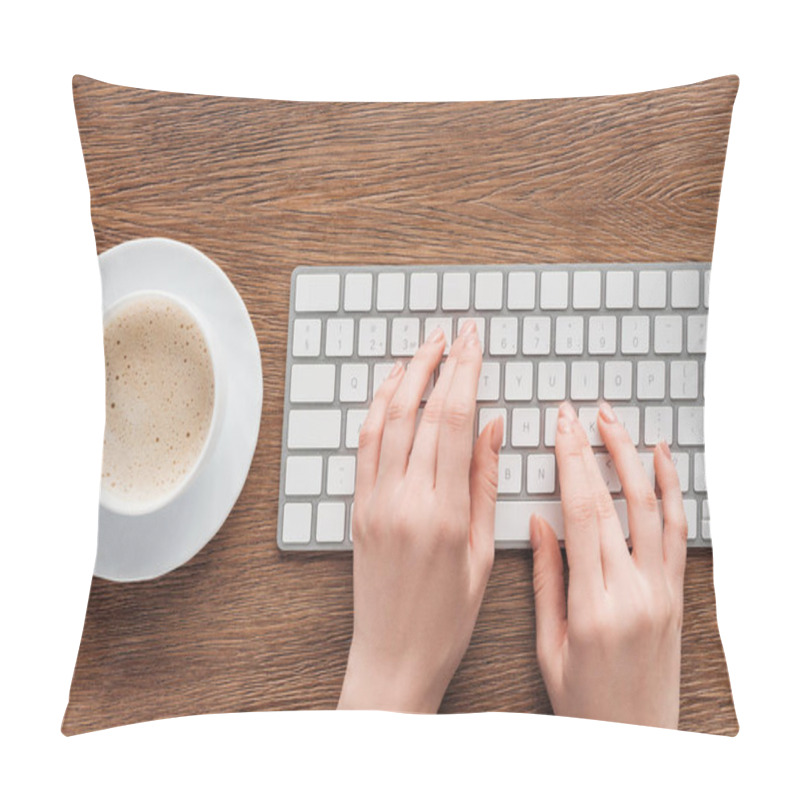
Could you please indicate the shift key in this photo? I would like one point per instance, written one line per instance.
(314, 430)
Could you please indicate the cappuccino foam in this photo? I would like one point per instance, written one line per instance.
(159, 399)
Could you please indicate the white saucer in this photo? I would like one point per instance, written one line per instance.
(134, 548)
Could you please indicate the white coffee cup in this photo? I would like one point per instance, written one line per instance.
(115, 501)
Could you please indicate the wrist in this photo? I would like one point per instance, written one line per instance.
(371, 684)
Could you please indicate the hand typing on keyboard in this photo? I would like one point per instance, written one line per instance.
(612, 651)
(423, 530)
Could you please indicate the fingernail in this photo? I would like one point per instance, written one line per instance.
(607, 413)
(396, 369)
(468, 328)
(664, 448)
(436, 335)
(536, 536)
(497, 434)
(566, 410)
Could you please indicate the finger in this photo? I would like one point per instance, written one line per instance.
(422, 461)
(457, 427)
(371, 434)
(644, 521)
(675, 527)
(483, 490)
(581, 531)
(548, 592)
(614, 554)
(401, 413)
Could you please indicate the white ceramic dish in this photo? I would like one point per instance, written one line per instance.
(143, 546)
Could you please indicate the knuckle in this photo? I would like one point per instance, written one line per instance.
(645, 498)
(458, 415)
(368, 435)
(398, 410)
(581, 508)
(433, 410)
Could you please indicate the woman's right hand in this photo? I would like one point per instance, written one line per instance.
(611, 650)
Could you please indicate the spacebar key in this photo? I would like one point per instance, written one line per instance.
(512, 519)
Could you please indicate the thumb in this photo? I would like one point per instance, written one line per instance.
(483, 486)
(548, 590)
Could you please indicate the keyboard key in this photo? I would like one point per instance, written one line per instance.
(316, 292)
(296, 523)
(550, 427)
(372, 337)
(683, 380)
(588, 418)
(355, 419)
(455, 291)
(480, 324)
(617, 380)
(391, 291)
(489, 291)
(313, 383)
(681, 462)
(700, 472)
(602, 335)
(652, 289)
(519, 380)
(314, 430)
(525, 427)
(705, 527)
(707, 280)
(554, 293)
(569, 336)
(586, 290)
(341, 475)
(358, 291)
(552, 383)
(685, 288)
(353, 383)
(423, 293)
(668, 335)
(635, 339)
(521, 291)
(536, 336)
(657, 425)
(650, 380)
(690, 425)
(307, 338)
(330, 522)
(585, 380)
(696, 333)
(489, 381)
(629, 418)
(608, 472)
(541, 473)
(486, 415)
(405, 336)
(380, 372)
(503, 336)
(446, 324)
(303, 475)
(619, 289)
(512, 518)
(339, 337)
(509, 474)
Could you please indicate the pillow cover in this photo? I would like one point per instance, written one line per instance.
(263, 186)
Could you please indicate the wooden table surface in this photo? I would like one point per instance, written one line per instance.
(262, 186)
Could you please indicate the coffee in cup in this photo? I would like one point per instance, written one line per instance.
(160, 401)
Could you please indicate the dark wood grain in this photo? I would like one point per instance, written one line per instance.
(262, 186)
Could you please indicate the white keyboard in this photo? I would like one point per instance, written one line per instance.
(632, 334)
